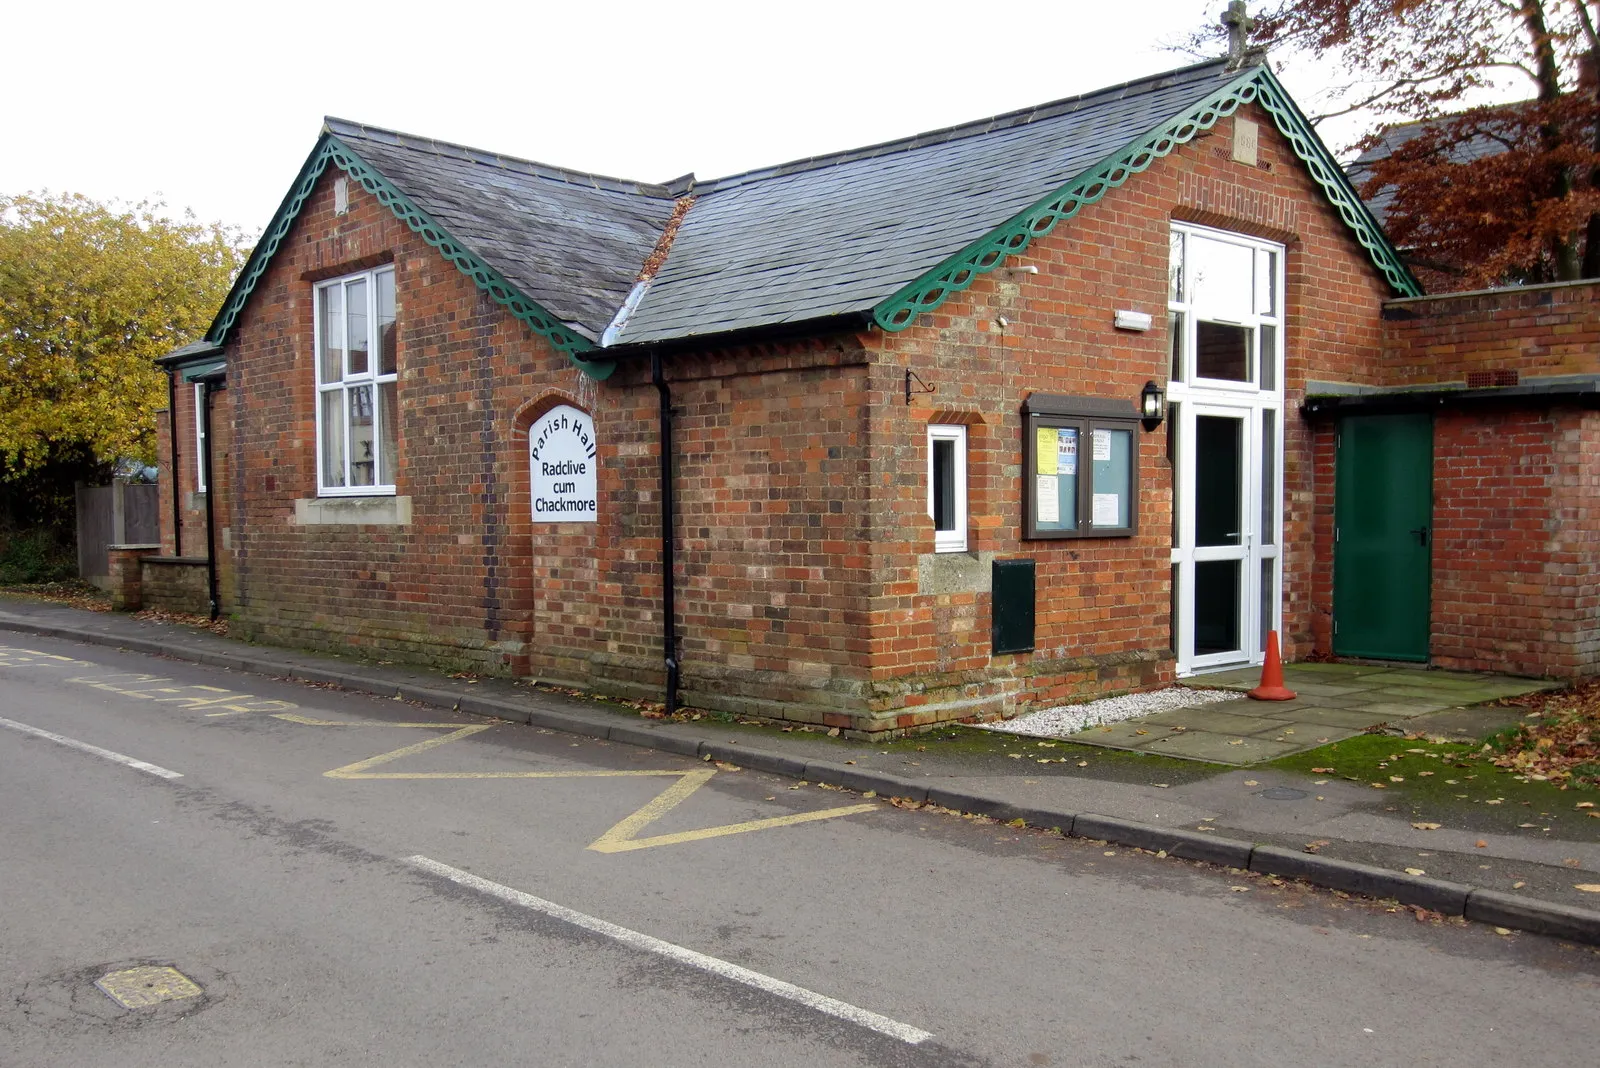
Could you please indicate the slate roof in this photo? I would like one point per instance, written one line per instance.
(816, 238)
(838, 234)
(1391, 138)
(195, 350)
(571, 241)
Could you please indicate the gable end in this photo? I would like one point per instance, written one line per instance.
(1011, 238)
(491, 281)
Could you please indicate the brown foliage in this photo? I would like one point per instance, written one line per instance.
(1489, 196)
(1564, 744)
(1481, 196)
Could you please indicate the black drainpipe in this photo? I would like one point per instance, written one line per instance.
(669, 636)
(172, 437)
(211, 494)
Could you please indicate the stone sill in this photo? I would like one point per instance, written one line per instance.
(353, 511)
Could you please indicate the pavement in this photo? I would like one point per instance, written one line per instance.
(1495, 867)
(1332, 702)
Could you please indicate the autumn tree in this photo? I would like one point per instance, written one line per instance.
(1476, 195)
(90, 293)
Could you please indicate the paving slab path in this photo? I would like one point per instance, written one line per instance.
(1333, 702)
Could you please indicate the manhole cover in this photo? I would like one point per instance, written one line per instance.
(1282, 793)
(139, 988)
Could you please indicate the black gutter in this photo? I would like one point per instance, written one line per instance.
(210, 383)
(669, 627)
(1585, 394)
(172, 455)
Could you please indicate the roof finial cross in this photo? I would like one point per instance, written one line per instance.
(1238, 23)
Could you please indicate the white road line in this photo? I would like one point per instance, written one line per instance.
(820, 1002)
(73, 743)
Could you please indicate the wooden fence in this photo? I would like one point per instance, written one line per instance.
(123, 513)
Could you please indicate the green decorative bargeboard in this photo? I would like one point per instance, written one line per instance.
(1257, 85)
(491, 281)
(899, 311)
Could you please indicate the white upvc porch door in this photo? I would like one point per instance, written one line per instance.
(1226, 442)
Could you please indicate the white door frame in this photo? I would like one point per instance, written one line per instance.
(1261, 531)
(1256, 550)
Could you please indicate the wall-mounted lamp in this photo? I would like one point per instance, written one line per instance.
(1152, 405)
(1025, 268)
(1132, 320)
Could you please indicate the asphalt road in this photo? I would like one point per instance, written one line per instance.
(352, 880)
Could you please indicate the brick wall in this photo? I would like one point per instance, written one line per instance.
(1103, 619)
(450, 587)
(769, 441)
(1516, 505)
(125, 580)
(175, 584)
(191, 502)
(191, 540)
(1493, 338)
(807, 587)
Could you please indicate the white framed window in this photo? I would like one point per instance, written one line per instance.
(356, 362)
(1225, 310)
(199, 438)
(947, 487)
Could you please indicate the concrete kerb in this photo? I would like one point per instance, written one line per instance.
(745, 757)
(1190, 845)
(1455, 899)
(1420, 890)
(1540, 917)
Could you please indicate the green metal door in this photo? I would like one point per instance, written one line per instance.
(1383, 519)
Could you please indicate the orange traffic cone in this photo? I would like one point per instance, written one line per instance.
(1272, 688)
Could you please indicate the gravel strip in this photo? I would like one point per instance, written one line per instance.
(1070, 719)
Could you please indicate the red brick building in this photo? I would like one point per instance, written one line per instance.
(893, 402)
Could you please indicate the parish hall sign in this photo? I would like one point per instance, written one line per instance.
(561, 455)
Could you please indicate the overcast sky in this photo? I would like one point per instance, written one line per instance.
(213, 106)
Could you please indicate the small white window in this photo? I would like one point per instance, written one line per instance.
(199, 438)
(357, 360)
(947, 487)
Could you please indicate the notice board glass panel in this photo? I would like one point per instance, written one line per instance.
(1111, 502)
(1081, 475)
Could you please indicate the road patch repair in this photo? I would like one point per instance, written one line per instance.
(1071, 808)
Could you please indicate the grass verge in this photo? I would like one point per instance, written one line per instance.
(1458, 784)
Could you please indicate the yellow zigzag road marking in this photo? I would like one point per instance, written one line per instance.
(295, 717)
(621, 838)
